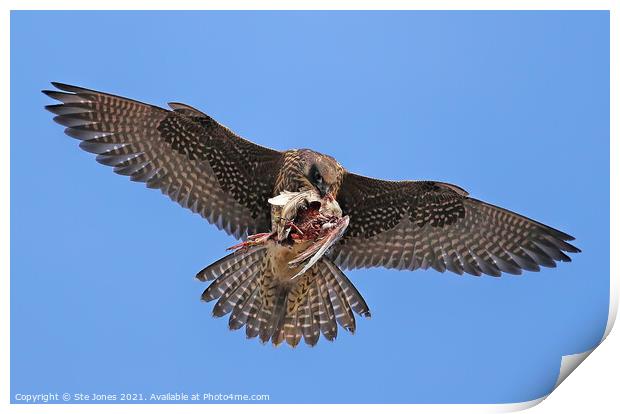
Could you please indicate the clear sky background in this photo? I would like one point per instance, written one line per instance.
(512, 106)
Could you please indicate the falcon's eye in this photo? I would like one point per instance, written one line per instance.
(315, 175)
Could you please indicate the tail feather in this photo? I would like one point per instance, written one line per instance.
(226, 263)
(289, 327)
(352, 295)
(281, 320)
(315, 305)
(292, 329)
(309, 326)
(271, 293)
(282, 311)
(275, 323)
(264, 319)
(240, 313)
(279, 335)
(327, 321)
(342, 310)
(238, 293)
(251, 327)
(230, 280)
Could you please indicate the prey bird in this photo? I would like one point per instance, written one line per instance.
(207, 168)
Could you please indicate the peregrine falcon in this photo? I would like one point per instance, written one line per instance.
(207, 168)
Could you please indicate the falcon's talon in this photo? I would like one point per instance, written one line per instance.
(338, 219)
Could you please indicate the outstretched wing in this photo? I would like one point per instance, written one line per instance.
(186, 154)
(422, 224)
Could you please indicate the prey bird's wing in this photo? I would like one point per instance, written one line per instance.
(186, 154)
(422, 224)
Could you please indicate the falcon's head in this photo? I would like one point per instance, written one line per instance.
(316, 171)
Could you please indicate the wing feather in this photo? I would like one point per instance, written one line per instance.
(422, 224)
(184, 153)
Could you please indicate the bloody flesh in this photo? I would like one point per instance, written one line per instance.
(311, 224)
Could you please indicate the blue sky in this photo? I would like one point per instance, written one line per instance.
(512, 106)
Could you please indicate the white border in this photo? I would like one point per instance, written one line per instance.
(594, 382)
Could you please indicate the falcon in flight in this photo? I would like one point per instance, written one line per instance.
(207, 168)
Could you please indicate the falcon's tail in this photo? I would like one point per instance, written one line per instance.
(314, 302)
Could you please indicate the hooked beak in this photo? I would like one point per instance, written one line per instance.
(323, 189)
